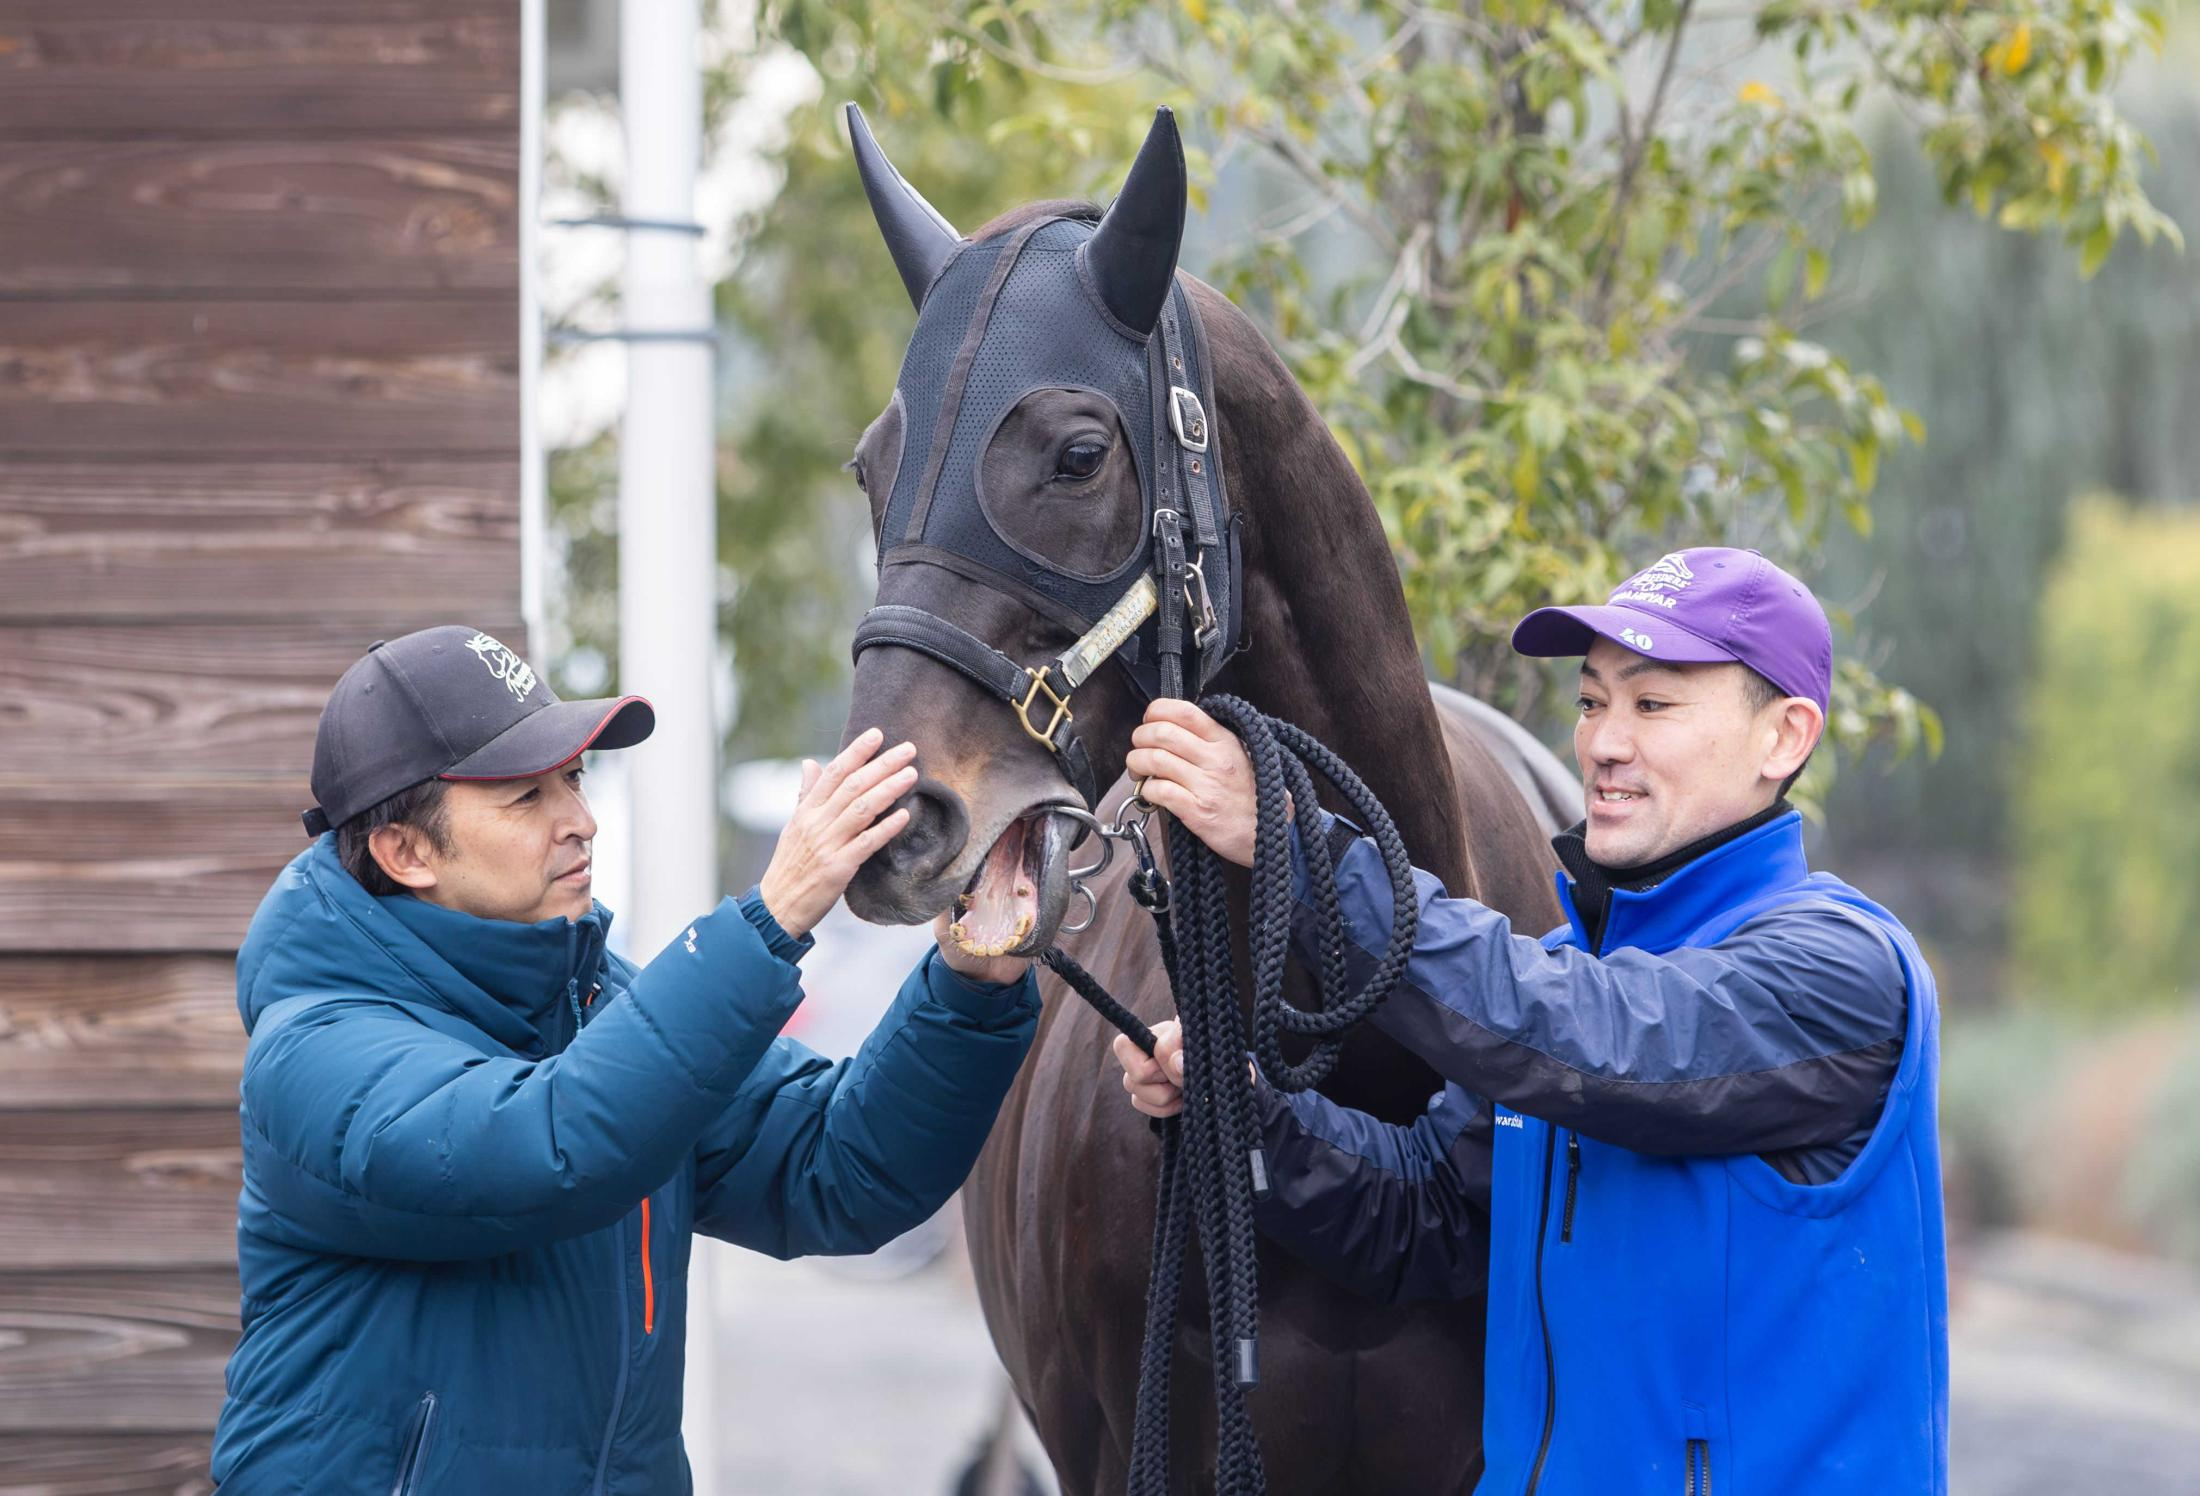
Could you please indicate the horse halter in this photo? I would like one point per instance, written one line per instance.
(1056, 304)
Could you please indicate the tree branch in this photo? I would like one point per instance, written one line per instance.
(1632, 166)
(1296, 156)
(1027, 61)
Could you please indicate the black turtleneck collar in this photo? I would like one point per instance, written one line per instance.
(1594, 882)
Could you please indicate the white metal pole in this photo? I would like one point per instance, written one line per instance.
(533, 497)
(668, 548)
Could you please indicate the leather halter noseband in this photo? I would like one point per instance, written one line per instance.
(1187, 586)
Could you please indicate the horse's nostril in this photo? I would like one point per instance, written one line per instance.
(937, 826)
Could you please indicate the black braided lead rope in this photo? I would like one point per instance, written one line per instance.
(1211, 1166)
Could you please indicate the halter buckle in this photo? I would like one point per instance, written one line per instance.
(1056, 700)
(1187, 418)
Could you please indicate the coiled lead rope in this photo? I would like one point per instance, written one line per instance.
(1212, 1170)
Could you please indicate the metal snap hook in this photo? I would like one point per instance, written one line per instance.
(1131, 818)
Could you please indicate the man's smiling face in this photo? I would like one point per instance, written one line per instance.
(518, 849)
(1671, 753)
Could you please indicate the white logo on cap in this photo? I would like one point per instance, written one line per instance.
(1634, 640)
(1669, 573)
(1655, 583)
(506, 666)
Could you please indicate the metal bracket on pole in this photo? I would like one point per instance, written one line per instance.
(635, 225)
(564, 335)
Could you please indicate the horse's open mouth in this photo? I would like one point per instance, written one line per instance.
(1013, 904)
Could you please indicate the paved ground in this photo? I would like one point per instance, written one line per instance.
(2075, 1371)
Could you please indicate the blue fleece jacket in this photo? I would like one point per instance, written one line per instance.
(1690, 1158)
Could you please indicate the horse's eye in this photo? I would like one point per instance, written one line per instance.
(855, 465)
(1081, 460)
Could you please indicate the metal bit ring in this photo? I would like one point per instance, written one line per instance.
(1092, 909)
(1091, 822)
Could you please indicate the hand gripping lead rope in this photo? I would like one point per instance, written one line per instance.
(1212, 1170)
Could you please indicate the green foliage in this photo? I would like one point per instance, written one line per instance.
(2037, 387)
(2108, 819)
(822, 321)
(1549, 270)
(2008, 98)
(1866, 710)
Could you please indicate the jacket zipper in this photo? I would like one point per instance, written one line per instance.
(1573, 1183)
(1550, 1360)
(572, 977)
(1699, 1450)
(415, 1451)
(626, 1350)
(649, 1307)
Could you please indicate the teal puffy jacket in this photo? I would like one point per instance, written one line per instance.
(474, 1153)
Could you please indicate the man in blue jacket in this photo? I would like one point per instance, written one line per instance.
(1686, 1141)
(476, 1143)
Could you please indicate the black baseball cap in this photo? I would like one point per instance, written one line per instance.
(450, 703)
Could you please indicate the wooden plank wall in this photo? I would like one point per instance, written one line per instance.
(258, 407)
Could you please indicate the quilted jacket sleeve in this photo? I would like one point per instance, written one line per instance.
(817, 1156)
(369, 1132)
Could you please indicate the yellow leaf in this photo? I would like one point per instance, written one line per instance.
(2017, 51)
(1754, 92)
(1526, 473)
(2058, 164)
(1197, 10)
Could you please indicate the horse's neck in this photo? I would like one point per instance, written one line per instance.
(1331, 644)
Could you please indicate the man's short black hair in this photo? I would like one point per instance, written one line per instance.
(421, 807)
(1760, 693)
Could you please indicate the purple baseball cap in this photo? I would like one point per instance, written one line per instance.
(1697, 607)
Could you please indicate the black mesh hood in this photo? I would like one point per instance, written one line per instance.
(1005, 317)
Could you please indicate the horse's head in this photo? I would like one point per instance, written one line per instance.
(1012, 497)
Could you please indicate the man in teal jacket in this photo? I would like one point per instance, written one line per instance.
(476, 1143)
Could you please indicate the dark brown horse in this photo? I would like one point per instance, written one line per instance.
(1354, 1397)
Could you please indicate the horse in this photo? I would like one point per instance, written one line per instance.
(1353, 1396)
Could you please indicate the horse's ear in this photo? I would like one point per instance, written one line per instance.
(918, 238)
(1132, 255)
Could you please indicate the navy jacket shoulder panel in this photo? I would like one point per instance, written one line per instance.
(1782, 1035)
